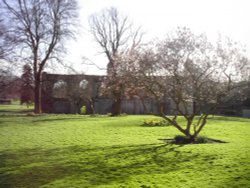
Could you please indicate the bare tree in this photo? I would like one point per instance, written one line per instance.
(115, 36)
(5, 45)
(38, 29)
(2, 30)
(233, 60)
(187, 71)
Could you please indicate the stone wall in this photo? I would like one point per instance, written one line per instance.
(246, 113)
(68, 99)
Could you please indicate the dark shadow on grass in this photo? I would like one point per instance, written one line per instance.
(229, 118)
(69, 118)
(57, 119)
(206, 141)
(240, 180)
(90, 166)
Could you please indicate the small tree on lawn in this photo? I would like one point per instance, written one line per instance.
(186, 70)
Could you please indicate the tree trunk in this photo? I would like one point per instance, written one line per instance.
(92, 105)
(145, 109)
(116, 106)
(194, 108)
(192, 139)
(89, 107)
(37, 93)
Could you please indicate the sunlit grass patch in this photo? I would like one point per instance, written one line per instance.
(102, 151)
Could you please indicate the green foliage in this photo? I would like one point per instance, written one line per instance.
(83, 151)
(155, 123)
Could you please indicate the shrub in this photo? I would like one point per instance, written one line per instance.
(83, 110)
(155, 123)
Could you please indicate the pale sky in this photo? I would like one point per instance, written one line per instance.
(157, 17)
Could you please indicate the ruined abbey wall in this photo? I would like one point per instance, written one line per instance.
(68, 93)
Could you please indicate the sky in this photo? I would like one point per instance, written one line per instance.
(229, 18)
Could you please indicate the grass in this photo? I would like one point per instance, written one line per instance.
(82, 151)
(15, 109)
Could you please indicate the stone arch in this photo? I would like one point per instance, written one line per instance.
(60, 89)
(83, 84)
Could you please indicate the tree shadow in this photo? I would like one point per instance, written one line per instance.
(72, 117)
(229, 118)
(90, 166)
(205, 140)
(57, 119)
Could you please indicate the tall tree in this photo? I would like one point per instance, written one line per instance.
(115, 35)
(38, 29)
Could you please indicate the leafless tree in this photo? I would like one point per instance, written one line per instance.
(38, 29)
(187, 71)
(233, 59)
(235, 65)
(5, 45)
(2, 30)
(115, 36)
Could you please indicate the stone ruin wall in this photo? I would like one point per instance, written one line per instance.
(64, 104)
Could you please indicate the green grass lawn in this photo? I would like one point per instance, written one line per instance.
(81, 151)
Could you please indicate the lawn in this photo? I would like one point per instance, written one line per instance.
(82, 151)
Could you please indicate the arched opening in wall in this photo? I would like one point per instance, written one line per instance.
(88, 104)
(87, 107)
(83, 110)
(83, 84)
(60, 89)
